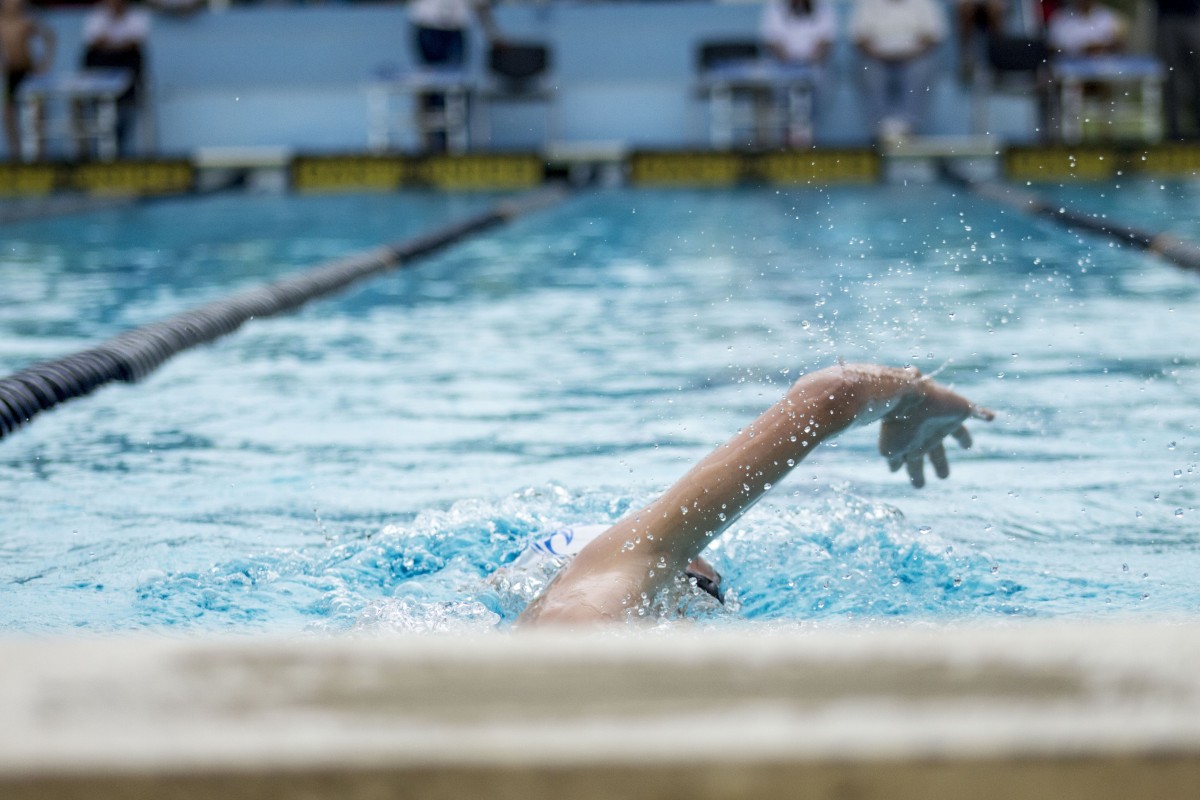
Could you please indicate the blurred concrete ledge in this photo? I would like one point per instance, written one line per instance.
(1024, 710)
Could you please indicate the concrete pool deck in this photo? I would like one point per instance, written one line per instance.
(1014, 711)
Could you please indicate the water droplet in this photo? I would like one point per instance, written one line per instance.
(924, 529)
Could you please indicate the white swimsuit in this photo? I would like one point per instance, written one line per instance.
(559, 544)
(564, 543)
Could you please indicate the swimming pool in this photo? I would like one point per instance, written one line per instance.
(367, 463)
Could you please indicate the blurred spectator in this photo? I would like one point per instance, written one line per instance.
(978, 21)
(114, 37)
(1085, 28)
(27, 48)
(440, 36)
(897, 40)
(798, 31)
(1178, 41)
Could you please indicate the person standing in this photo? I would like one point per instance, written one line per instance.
(114, 37)
(1178, 45)
(799, 32)
(897, 41)
(1086, 28)
(27, 48)
(439, 29)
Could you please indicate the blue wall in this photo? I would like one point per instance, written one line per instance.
(296, 76)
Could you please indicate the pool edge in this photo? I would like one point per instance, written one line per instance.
(1031, 709)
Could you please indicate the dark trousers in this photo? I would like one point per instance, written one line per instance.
(127, 103)
(1179, 48)
(436, 47)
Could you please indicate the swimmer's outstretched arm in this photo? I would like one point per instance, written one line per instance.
(646, 549)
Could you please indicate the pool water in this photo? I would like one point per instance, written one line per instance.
(1156, 206)
(376, 461)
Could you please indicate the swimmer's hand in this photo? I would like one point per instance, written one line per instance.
(916, 427)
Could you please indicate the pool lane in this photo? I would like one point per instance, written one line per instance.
(134, 354)
(1072, 211)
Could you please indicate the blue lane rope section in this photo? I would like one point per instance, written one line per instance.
(1181, 252)
(136, 353)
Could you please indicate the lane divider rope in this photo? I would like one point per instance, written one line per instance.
(1181, 252)
(134, 354)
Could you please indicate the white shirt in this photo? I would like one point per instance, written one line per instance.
(445, 15)
(897, 28)
(799, 37)
(1075, 32)
(132, 27)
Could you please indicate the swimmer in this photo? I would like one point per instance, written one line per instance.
(618, 568)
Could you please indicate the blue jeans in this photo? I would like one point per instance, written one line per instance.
(898, 90)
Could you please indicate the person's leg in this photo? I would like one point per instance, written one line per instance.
(12, 125)
(12, 131)
(915, 79)
(974, 23)
(127, 113)
(873, 82)
(1189, 98)
(1168, 42)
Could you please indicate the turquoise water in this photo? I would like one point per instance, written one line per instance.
(375, 461)
(1157, 206)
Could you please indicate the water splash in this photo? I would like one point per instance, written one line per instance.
(456, 570)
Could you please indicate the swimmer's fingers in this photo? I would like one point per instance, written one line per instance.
(985, 414)
(916, 470)
(937, 457)
(962, 436)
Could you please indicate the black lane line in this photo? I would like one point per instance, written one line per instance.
(134, 354)
(1179, 251)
